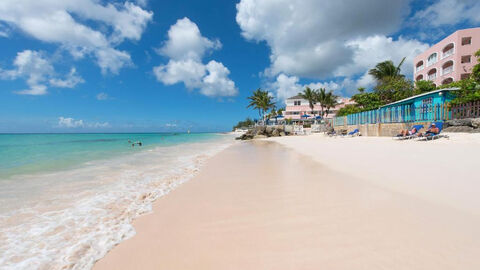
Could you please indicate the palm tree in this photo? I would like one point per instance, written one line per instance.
(330, 102)
(310, 96)
(321, 98)
(386, 70)
(261, 101)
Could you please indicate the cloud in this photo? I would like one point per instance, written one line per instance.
(449, 12)
(185, 48)
(39, 73)
(70, 81)
(65, 23)
(68, 122)
(286, 86)
(185, 42)
(369, 51)
(336, 42)
(102, 96)
(308, 38)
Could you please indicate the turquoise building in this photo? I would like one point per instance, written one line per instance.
(426, 107)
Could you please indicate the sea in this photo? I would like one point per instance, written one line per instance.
(67, 199)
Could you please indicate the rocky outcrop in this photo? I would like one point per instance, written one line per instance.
(260, 132)
(467, 125)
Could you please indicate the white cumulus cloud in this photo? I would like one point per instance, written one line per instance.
(185, 48)
(39, 73)
(68, 122)
(64, 23)
(327, 40)
(449, 12)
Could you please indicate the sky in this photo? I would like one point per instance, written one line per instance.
(177, 65)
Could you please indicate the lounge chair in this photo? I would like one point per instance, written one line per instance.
(411, 136)
(298, 130)
(430, 137)
(355, 132)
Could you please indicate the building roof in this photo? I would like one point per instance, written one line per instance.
(421, 95)
(296, 97)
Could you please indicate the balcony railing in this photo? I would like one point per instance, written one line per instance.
(448, 53)
(432, 77)
(431, 62)
(447, 70)
(420, 68)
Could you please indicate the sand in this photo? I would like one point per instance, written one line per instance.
(261, 205)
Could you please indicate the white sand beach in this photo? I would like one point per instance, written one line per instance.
(314, 202)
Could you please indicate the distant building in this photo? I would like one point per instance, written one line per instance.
(296, 106)
(451, 59)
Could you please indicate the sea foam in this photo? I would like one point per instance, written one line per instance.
(69, 219)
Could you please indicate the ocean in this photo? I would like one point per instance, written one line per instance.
(66, 199)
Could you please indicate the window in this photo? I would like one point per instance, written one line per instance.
(297, 103)
(466, 59)
(466, 41)
(432, 59)
(464, 76)
(427, 104)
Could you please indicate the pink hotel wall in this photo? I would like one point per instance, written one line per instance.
(458, 68)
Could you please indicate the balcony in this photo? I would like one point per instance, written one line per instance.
(420, 68)
(448, 53)
(448, 50)
(447, 70)
(432, 77)
(432, 59)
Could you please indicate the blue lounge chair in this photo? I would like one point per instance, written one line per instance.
(411, 136)
(430, 136)
(356, 132)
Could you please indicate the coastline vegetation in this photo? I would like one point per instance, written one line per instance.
(393, 86)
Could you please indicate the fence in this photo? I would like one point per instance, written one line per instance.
(398, 114)
(411, 114)
(467, 110)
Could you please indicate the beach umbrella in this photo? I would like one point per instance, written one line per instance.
(318, 117)
(305, 116)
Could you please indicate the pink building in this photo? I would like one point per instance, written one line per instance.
(451, 59)
(297, 106)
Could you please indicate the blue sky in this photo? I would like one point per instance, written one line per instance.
(154, 66)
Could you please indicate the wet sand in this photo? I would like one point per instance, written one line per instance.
(260, 205)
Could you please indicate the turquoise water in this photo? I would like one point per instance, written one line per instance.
(32, 153)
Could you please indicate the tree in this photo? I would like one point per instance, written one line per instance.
(330, 102)
(310, 96)
(424, 87)
(476, 68)
(261, 101)
(361, 89)
(386, 70)
(244, 124)
(321, 97)
(348, 109)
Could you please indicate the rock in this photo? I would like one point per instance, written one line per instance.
(459, 122)
(459, 129)
(275, 133)
(476, 122)
(259, 137)
(269, 130)
(282, 134)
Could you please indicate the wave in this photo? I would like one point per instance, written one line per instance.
(70, 219)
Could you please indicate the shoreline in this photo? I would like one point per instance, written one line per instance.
(300, 215)
(70, 218)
